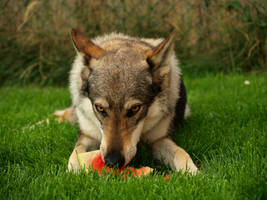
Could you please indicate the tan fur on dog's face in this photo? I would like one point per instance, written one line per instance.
(120, 88)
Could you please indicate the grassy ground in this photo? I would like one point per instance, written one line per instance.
(226, 137)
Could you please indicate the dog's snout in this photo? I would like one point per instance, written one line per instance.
(114, 159)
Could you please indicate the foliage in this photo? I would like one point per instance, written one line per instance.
(36, 47)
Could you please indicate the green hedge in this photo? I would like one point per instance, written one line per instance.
(35, 45)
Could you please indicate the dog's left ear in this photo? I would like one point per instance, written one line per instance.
(159, 58)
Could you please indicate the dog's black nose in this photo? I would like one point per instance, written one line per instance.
(114, 159)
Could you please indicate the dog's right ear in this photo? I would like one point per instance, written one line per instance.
(84, 45)
(159, 59)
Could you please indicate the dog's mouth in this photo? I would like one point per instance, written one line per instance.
(114, 159)
(116, 162)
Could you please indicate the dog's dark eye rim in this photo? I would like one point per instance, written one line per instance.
(136, 108)
(100, 109)
(133, 110)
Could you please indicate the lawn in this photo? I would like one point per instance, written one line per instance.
(225, 136)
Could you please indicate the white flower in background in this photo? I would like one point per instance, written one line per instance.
(246, 82)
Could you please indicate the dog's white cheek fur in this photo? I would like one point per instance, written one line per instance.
(88, 127)
(75, 78)
(88, 119)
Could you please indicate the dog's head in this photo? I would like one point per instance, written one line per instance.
(122, 83)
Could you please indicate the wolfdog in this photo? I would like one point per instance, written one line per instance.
(124, 90)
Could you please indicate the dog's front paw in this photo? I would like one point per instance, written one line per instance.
(184, 163)
(191, 167)
(67, 114)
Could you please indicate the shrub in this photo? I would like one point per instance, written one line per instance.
(36, 47)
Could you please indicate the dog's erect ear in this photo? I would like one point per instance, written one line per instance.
(160, 54)
(158, 59)
(84, 45)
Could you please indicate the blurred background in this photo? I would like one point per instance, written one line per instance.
(213, 35)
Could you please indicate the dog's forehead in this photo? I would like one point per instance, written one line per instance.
(120, 57)
(120, 76)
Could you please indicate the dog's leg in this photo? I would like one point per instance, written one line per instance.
(66, 114)
(83, 144)
(172, 155)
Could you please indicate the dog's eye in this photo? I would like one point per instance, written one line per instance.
(101, 110)
(133, 110)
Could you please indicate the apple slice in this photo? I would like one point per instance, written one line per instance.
(93, 161)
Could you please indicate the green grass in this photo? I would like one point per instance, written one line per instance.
(225, 136)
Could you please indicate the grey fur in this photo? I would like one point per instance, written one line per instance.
(117, 70)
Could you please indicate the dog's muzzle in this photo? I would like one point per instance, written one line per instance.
(114, 159)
